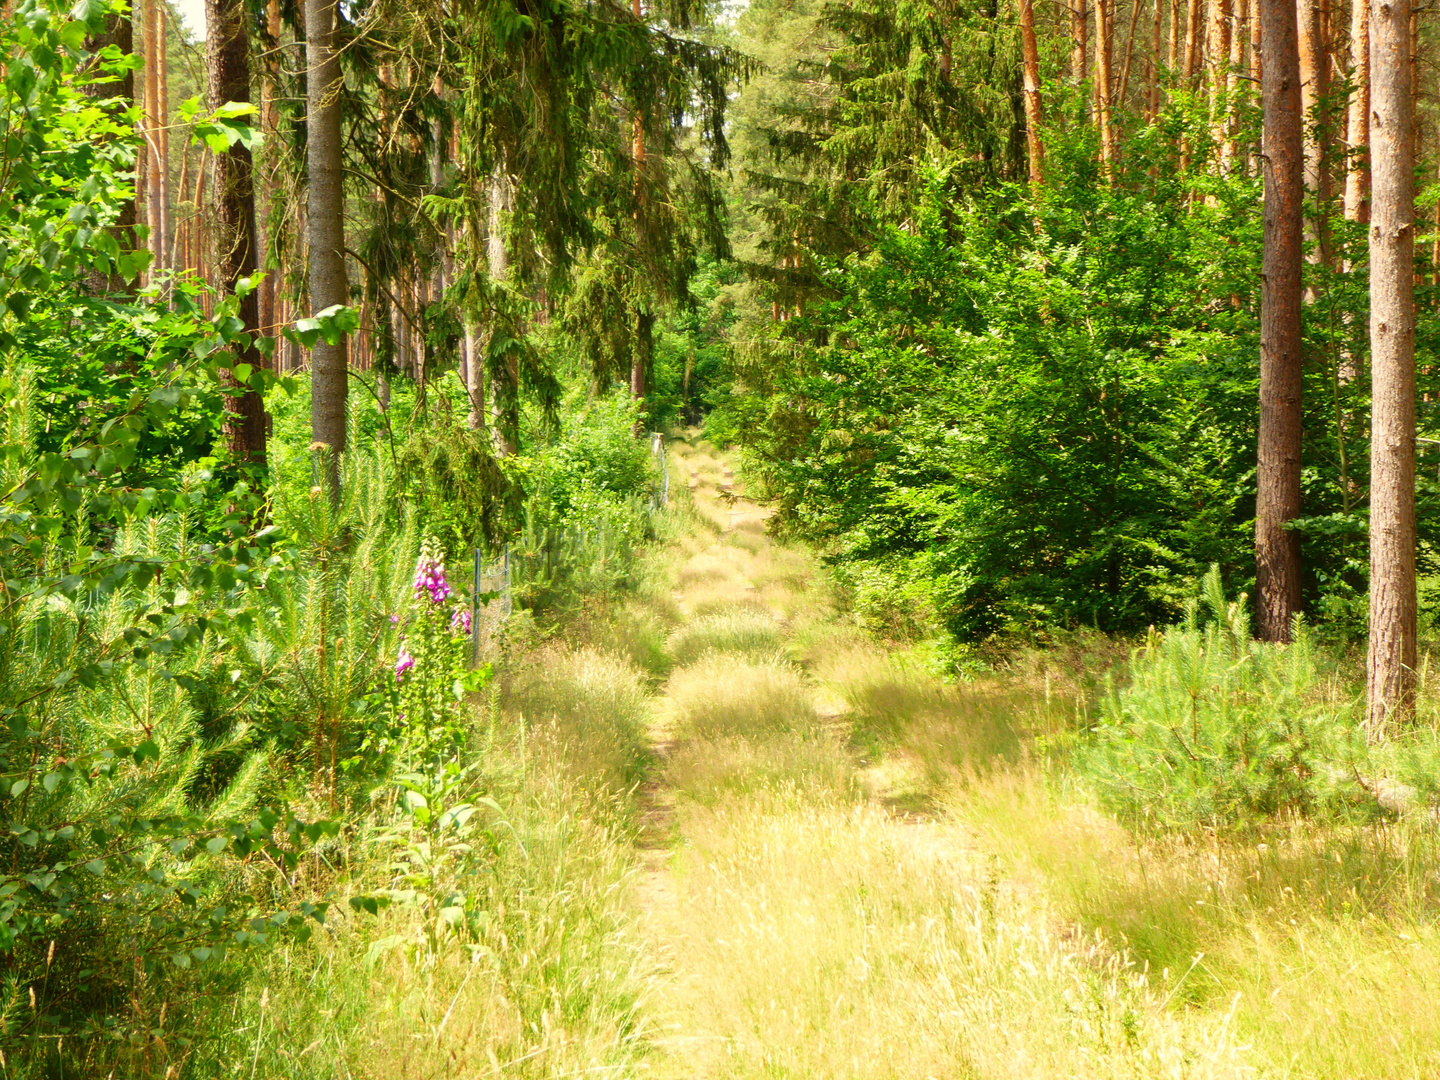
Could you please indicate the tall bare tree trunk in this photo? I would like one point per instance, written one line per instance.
(1123, 94)
(1218, 51)
(325, 211)
(153, 217)
(1192, 43)
(1079, 32)
(227, 67)
(1152, 68)
(1172, 48)
(505, 378)
(1393, 618)
(265, 243)
(162, 77)
(1357, 127)
(1239, 28)
(117, 32)
(1277, 496)
(1314, 90)
(1104, 42)
(1031, 52)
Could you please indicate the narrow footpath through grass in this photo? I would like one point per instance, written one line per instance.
(815, 900)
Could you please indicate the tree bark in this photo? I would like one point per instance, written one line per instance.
(1357, 127)
(1079, 32)
(1192, 43)
(227, 68)
(325, 211)
(153, 218)
(1217, 61)
(1314, 89)
(1277, 496)
(505, 378)
(1393, 607)
(1152, 69)
(1031, 52)
(117, 32)
(162, 78)
(1232, 84)
(1104, 40)
(266, 254)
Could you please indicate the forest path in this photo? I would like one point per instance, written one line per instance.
(787, 901)
(828, 880)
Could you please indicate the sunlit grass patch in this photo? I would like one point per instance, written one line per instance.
(896, 707)
(590, 708)
(727, 695)
(825, 940)
(813, 763)
(740, 630)
(1292, 924)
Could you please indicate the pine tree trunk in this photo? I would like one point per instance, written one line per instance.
(505, 378)
(1218, 50)
(1152, 69)
(1172, 48)
(117, 32)
(162, 78)
(1122, 95)
(1079, 32)
(1104, 40)
(1277, 496)
(1393, 620)
(1314, 88)
(153, 216)
(1232, 84)
(1357, 126)
(265, 244)
(1031, 53)
(325, 210)
(227, 68)
(1192, 43)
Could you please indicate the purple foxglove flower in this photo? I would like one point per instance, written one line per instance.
(403, 663)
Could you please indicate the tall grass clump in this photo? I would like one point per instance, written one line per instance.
(725, 695)
(589, 710)
(741, 631)
(1215, 728)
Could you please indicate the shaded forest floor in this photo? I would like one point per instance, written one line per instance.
(741, 839)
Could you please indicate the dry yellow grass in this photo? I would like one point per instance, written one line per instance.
(849, 868)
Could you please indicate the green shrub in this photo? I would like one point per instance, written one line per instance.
(1218, 729)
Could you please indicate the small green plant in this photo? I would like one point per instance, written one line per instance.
(1218, 729)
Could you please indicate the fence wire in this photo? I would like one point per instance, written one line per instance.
(493, 593)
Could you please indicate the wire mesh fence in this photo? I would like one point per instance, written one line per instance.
(544, 558)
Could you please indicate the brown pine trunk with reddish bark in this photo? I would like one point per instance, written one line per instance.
(1218, 57)
(1314, 88)
(151, 123)
(1357, 126)
(1152, 67)
(1031, 53)
(1393, 608)
(227, 66)
(1192, 43)
(1104, 41)
(1277, 496)
(162, 80)
(1079, 33)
